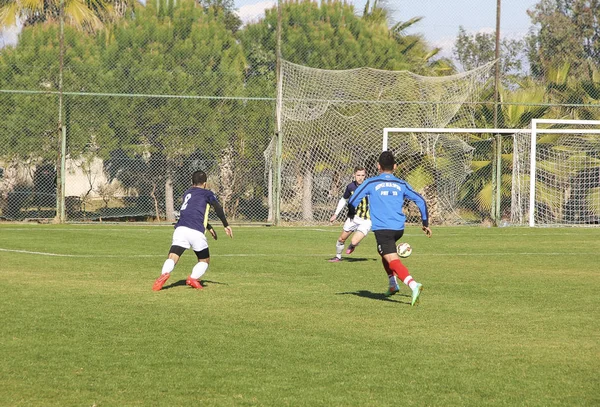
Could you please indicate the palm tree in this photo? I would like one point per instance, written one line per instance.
(87, 15)
(518, 108)
(414, 47)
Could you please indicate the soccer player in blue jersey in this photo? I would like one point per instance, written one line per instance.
(189, 231)
(359, 224)
(386, 197)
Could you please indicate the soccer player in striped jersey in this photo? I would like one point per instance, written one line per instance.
(189, 231)
(359, 224)
(386, 195)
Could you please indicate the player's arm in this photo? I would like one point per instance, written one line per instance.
(422, 205)
(211, 230)
(221, 215)
(341, 205)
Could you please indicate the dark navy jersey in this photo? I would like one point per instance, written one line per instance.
(362, 210)
(386, 197)
(194, 208)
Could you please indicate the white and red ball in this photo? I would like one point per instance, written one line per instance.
(403, 250)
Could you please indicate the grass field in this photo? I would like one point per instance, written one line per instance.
(508, 317)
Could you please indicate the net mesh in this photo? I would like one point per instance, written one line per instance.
(436, 165)
(567, 178)
(333, 121)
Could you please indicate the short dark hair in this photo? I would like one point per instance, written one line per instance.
(198, 177)
(387, 161)
(359, 168)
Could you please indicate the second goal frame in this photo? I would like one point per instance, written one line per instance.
(534, 130)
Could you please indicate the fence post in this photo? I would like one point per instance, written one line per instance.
(60, 193)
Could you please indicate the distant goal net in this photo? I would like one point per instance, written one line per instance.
(556, 174)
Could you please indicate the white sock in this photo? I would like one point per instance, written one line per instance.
(199, 270)
(168, 266)
(338, 249)
(393, 282)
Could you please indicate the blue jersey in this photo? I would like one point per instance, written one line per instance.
(386, 197)
(194, 209)
(362, 210)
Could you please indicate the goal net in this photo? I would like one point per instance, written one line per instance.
(332, 121)
(556, 174)
(436, 164)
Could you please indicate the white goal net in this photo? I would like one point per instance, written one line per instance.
(332, 121)
(436, 164)
(556, 174)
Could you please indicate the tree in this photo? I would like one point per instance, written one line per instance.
(29, 126)
(414, 47)
(332, 36)
(565, 31)
(474, 50)
(83, 14)
(172, 49)
(227, 8)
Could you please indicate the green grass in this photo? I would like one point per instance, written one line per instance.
(508, 317)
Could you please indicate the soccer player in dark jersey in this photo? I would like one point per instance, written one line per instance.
(386, 197)
(189, 231)
(359, 224)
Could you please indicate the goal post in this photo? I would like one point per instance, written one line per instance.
(564, 172)
(555, 171)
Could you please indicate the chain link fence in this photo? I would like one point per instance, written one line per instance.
(110, 124)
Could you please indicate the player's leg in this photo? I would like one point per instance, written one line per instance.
(179, 244)
(175, 253)
(362, 229)
(199, 269)
(386, 244)
(200, 247)
(393, 282)
(384, 239)
(339, 245)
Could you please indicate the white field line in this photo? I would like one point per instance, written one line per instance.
(115, 256)
(153, 228)
(436, 232)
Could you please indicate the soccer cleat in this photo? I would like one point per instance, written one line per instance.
(391, 291)
(350, 249)
(335, 259)
(416, 293)
(193, 283)
(160, 281)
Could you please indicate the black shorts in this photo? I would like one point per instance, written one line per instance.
(386, 240)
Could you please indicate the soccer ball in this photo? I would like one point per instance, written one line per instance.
(404, 250)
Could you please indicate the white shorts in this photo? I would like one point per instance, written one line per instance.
(357, 224)
(186, 238)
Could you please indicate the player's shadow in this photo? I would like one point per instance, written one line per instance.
(209, 282)
(375, 296)
(353, 259)
(205, 283)
(174, 284)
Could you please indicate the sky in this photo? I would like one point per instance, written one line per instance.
(441, 18)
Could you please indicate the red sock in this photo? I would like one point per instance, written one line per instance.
(387, 268)
(401, 271)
